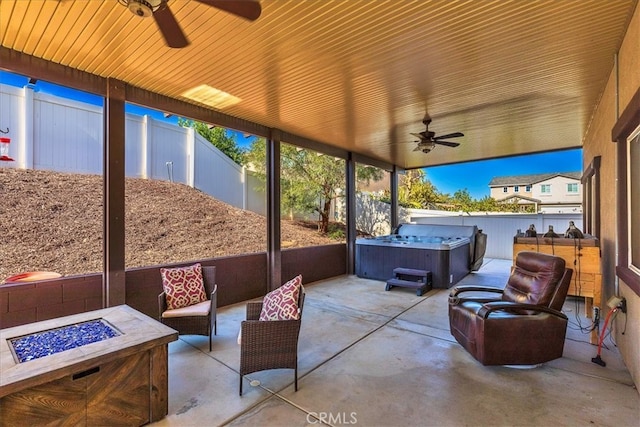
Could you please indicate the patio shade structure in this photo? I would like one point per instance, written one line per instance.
(352, 79)
(354, 75)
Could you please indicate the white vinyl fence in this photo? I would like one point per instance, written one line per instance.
(373, 217)
(500, 228)
(60, 134)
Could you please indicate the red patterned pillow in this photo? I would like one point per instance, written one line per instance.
(282, 303)
(183, 286)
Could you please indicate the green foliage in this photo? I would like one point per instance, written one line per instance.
(335, 232)
(309, 181)
(462, 201)
(416, 191)
(218, 137)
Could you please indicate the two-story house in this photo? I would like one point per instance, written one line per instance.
(546, 192)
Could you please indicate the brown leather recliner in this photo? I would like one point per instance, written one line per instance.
(522, 326)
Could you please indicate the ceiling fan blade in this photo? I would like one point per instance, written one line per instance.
(417, 135)
(418, 148)
(170, 28)
(447, 143)
(450, 135)
(247, 9)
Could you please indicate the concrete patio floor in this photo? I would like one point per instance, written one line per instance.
(375, 358)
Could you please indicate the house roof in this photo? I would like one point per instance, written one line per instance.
(355, 76)
(530, 179)
(520, 197)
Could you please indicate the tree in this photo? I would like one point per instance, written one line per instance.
(218, 137)
(309, 181)
(416, 191)
(462, 201)
(424, 192)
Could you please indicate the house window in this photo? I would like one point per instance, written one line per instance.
(545, 188)
(626, 133)
(572, 187)
(527, 189)
(505, 189)
(516, 189)
(591, 195)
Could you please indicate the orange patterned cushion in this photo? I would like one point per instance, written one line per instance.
(183, 286)
(282, 303)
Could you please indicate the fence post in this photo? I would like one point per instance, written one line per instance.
(191, 157)
(245, 190)
(25, 144)
(145, 144)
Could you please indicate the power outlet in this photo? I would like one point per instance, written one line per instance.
(618, 302)
(623, 305)
(595, 316)
(614, 302)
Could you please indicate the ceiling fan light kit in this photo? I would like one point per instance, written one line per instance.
(428, 139)
(426, 147)
(142, 8)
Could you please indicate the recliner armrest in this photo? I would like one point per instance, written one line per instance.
(491, 307)
(457, 290)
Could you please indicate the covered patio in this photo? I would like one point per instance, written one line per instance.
(377, 358)
(352, 80)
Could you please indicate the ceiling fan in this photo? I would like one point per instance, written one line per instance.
(428, 139)
(168, 25)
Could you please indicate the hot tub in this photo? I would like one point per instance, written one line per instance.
(444, 250)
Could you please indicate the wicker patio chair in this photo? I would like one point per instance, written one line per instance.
(269, 344)
(187, 323)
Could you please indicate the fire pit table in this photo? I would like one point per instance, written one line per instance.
(103, 367)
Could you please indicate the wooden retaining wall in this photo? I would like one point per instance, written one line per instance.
(239, 278)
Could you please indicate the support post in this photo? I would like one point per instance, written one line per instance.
(350, 173)
(393, 183)
(113, 283)
(274, 250)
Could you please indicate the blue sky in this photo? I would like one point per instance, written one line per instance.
(474, 176)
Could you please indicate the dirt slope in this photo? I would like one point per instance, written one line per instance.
(53, 221)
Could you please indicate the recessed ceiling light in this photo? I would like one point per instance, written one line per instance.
(211, 96)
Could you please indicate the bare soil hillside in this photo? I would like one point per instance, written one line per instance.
(53, 222)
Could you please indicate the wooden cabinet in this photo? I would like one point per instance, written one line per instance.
(581, 255)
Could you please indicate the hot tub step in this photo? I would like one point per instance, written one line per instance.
(420, 287)
(411, 272)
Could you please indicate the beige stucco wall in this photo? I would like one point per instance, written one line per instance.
(629, 61)
(598, 143)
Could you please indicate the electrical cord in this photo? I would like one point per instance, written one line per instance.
(598, 360)
(577, 282)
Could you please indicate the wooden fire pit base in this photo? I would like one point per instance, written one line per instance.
(117, 381)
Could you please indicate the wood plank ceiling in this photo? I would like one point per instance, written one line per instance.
(514, 76)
